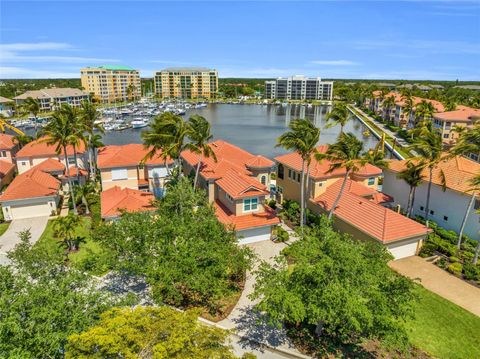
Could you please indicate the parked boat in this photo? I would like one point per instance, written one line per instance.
(139, 123)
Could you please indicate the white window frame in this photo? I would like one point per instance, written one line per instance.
(119, 174)
(250, 202)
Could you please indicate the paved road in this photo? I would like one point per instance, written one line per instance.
(10, 238)
(440, 282)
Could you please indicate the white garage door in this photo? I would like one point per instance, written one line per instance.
(29, 211)
(403, 250)
(253, 235)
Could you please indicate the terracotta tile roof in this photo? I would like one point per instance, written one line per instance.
(6, 142)
(73, 172)
(463, 114)
(228, 157)
(319, 169)
(38, 148)
(380, 197)
(458, 172)
(30, 184)
(239, 185)
(399, 100)
(378, 222)
(5, 168)
(115, 199)
(259, 162)
(51, 165)
(267, 218)
(126, 155)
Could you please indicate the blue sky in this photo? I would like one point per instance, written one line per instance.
(356, 39)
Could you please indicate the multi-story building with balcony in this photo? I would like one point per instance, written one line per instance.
(50, 99)
(186, 82)
(112, 83)
(299, 88)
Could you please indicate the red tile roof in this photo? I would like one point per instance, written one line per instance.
(463, 114)
(126, 155)
(51, 165)
(6, 141)
(5, 168)
(115, 199)
(267, 218)
(319, 169)
(376, 221)
(228, 157)
(31, 184)
(259, 162)
(38, 148)
(73, 172)
(458, 171)
(239, 185)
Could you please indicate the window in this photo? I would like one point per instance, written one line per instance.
(281, 170)
(421, 208)
(24, 163)
(445, 218)
(230, 198)
(445, 135)
(71, 160)
(298, 177)
(4, 153)
(263, 180)
(477, 204)
(250, 204)
(371, 181)
(119, 174)
(289, 173)
(432, 212)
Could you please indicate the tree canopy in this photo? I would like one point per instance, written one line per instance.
(149, 332)
(342, 286)
(184, 252)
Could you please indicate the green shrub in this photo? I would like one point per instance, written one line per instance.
(455, 268)
(471, 271)
(282, 235)
(291, 211)
(467, 256)
(272, 203)
(449, 236)
(442, 263)
(453, 259)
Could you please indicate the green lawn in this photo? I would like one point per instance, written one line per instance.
(443, 329)
(3, 227)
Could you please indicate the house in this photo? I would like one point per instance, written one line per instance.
(8, 147)
(289, 167)
(238, 185)
(446, 122)
(6, 106)
(57, 169)
(447, 207)
(33, 193)
(124, 167)
(115, 200)
(7, 172)
(51, 98)
(37, 151)
(364, 218)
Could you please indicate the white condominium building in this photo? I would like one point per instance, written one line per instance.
(299, 88)
(51, 98)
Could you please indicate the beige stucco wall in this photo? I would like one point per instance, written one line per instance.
(222, 197)
(260, 207)
(25, 163)
(9, 154)
(35, 207)
(131, 182)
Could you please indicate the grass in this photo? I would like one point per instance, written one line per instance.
(443, 329)
(4, 227)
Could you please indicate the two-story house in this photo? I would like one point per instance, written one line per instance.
(362, 210)
(37, 151)
(8, 149)
(237, 183)
(124, 167)
(447, 205)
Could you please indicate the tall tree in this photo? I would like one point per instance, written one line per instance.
(346, 153)
(429, 148)
(387, 105)
(31, 105)
(199, 134)
(339, 115)
(302, 138)
(412, 175)
(89, 117)
(408, 107)
(424, 113)
(65, 230)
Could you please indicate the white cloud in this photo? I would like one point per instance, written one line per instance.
(35, 46)
(334, 62)
(10, 72)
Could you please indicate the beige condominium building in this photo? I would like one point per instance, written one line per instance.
(112, 83)
(50, 99)
(186, 82)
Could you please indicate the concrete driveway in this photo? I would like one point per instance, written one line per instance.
(440, 282)
(10, 238)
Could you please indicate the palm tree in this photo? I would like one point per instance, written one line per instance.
(22, 140)
(59, 132)
(339, 115)
(429, 148)
(89, 116)
(82, 193)
(302, 138)
(131, 91)
(31, 105)
(408, 107)
(64, 228)
(412, 175)
(449, 104)
(424, 113)
(345, 153)
(167, 134)
(199, 134)
(387, 105)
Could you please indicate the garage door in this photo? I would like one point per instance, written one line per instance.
(29, 211)
(403, 250)
(253, 235)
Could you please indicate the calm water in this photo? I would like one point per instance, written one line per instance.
(255, 127)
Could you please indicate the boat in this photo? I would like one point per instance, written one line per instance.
(139, 123)
(180, 111)
(201, 105)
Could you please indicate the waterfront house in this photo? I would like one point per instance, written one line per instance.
(362, 212)
(238, 186)
(37, 151)
(8, 147)
(124, 166)
(52, 98)
(447, 207)
(445, 123)
(115, 200)
(6, 106)
(33, 193)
